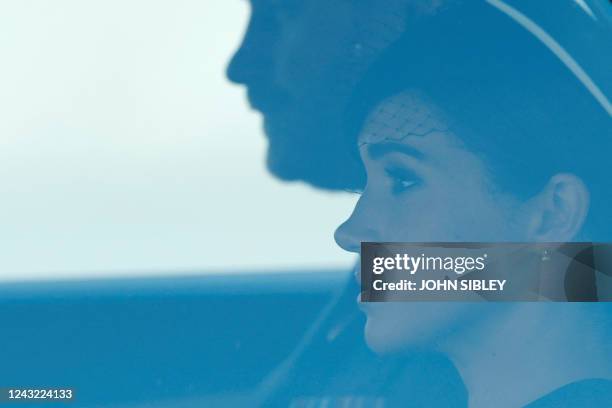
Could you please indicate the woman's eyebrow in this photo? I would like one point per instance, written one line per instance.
(377, 150)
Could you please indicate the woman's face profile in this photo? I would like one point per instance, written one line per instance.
(423, 185)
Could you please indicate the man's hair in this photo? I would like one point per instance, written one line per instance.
(507, 96)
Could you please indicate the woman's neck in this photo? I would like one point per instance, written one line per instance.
(526, 351)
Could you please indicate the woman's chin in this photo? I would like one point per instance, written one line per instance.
(395, 327)
(383, 337)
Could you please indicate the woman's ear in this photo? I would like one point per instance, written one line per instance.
(559, 210)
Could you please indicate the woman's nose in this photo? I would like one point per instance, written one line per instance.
(355, 230)
(345, 238)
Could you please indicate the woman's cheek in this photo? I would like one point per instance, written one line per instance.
(426, 214)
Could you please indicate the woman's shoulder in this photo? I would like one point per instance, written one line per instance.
(591, 393)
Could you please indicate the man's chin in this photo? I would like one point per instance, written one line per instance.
(314, 154)
(281, 166)
(295, 161)
(281, 158)
(305, 166)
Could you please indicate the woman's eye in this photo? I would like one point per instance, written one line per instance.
(402, 180)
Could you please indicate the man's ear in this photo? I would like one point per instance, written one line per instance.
(559, 210)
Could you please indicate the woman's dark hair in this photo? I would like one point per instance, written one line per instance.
(507, 96)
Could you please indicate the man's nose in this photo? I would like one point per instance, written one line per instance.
(252, 61)
(237, 69)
